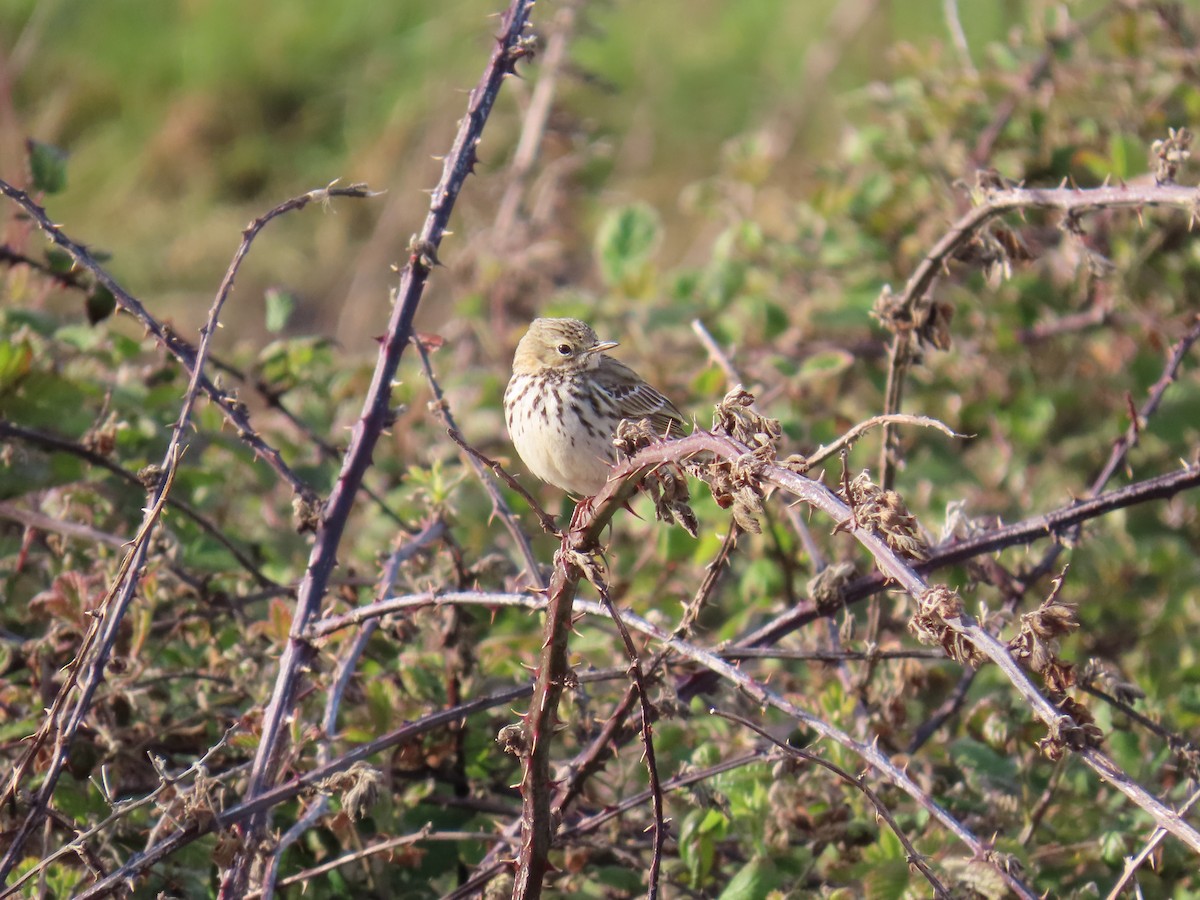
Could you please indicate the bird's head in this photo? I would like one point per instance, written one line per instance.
(560, 345)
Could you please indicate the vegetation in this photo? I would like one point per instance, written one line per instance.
(279, 619)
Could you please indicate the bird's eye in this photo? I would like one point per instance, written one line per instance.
(564, 349)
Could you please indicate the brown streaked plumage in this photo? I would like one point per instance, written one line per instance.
(565, 400)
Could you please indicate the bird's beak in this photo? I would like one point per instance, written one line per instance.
(601, 346)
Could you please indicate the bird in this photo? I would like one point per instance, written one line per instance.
(565, 400)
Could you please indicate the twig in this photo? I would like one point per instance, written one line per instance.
(592, 758)
(533, 124)
(1062, 729)
(500, 507)
(995, 203)
(425, 834)
(684, 448)
(656, 794)
(376, 415)
(1133, 863)
(958, 36)
(949, 708)
(273, 397)
(1034, 76)
(1129, 439)
(915, 859)
(873, 655)
(547, 521)
(1176, 742)
(62, 445)
(847, 440)
(87, 671)
(306, 781)
(576, 550)
(121, 809)
(1122, 445)
(187, 355)
(591, 824)
(1040, 527)
(40, 521)
(347, 666)
(1042, 804)
(868, 752)
(716, 354)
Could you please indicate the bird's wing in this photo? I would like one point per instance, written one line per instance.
(637, 400)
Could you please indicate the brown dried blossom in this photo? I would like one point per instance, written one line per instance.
(736, 483)
(1168, 156)
(929, 625)
(1078, 731)
(358, 788)
(666, 485)
(736, 417)
(1037, 642)
(884, 511)
(827, 587)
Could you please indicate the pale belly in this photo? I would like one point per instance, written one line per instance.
(575, 458)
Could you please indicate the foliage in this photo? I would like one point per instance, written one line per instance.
(1039, 342)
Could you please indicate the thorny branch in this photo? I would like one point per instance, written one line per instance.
(189, 357)
(500, 508)
(87, 670)
(913, 316)
(915, 859)
(376, 416)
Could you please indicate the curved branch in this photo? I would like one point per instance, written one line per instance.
(376, 416)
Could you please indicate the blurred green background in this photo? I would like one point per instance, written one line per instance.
(184, 120)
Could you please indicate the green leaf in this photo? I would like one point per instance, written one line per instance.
(59, 261)
(754, 881)
(1128, 156)
(625, 241)
(47, 166)
(15, 362)
(825, 364)
(886, 880)
(280, 306)
(697, 850)
(977, 757)
(100, 304)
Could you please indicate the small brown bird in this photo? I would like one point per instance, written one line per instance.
(566, 399)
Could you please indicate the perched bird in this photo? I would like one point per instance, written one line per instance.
(566, 399)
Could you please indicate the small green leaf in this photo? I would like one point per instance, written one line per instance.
(1128, 156)
(825, 364)
(280, 306)
(754, 881)
(15, 362)
(47, 166)
(100, 304)
(625, 241)
(886, 880)
(59, 261)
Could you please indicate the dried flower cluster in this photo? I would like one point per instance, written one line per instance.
(736, 484)
(1037, 643)
(930, 626)
(884, 511)
(666, 485)
(827, 586)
